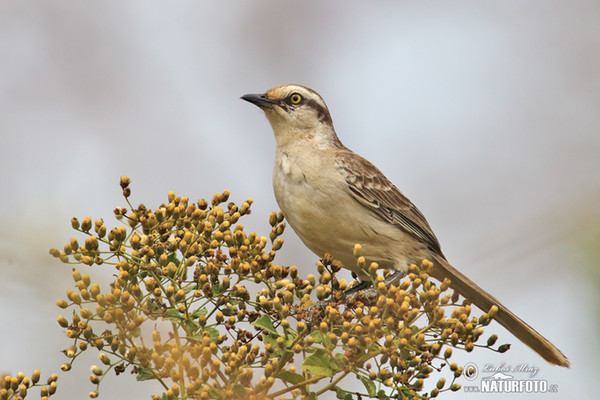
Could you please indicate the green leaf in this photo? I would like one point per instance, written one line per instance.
(190, 325)
(342, 394)
(173, 258)
(198, 312)
(173, 315)
(338, 361)
(320, 337)
(213, 334)
(369, 385)
(291, 377)
(136, 332)
(218, 289)
(271, 339)
(197, 337)
(189, 288)
(239, 391)
(322, 364)
(289, 337)
(404, 353)
(155, 309)
(317, 336)
(265, 323)
(144, 374)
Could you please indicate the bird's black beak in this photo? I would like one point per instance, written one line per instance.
(259, 100)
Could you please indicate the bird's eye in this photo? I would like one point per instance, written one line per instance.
(295, 98)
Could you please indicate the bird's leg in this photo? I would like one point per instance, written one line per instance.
(358, 287)
(393, 278)
(365, 288)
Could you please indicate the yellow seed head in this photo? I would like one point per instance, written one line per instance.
(62, 321)
(357, 250)
(448, 352)
(35, 377)
(373, 268)
(86, 224)
(61, 303)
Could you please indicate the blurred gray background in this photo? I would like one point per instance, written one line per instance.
(485, 115)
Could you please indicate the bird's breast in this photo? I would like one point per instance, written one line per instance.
(320, 210)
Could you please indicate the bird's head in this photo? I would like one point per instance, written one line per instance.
(295, 112)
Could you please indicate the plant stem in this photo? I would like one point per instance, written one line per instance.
(296, 386)
(332, 384)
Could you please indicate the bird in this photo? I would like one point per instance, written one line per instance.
(333, 199)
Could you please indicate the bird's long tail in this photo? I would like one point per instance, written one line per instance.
(476, 295)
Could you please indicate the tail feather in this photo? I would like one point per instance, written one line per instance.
(476, 295)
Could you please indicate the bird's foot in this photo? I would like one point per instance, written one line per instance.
(367, 294)
(315, 312)
(363, 291)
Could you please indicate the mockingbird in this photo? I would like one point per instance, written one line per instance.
(333, 198)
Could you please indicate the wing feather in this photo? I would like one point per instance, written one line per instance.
(371, 188)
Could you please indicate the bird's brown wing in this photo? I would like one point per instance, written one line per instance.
(371, 188)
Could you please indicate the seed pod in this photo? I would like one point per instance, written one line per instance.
(35, 377)
(124, 182)
(504, 348)
(62, 321)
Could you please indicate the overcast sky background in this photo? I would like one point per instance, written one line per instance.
(486, 115)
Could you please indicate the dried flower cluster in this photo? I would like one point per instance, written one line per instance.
(200, 306)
